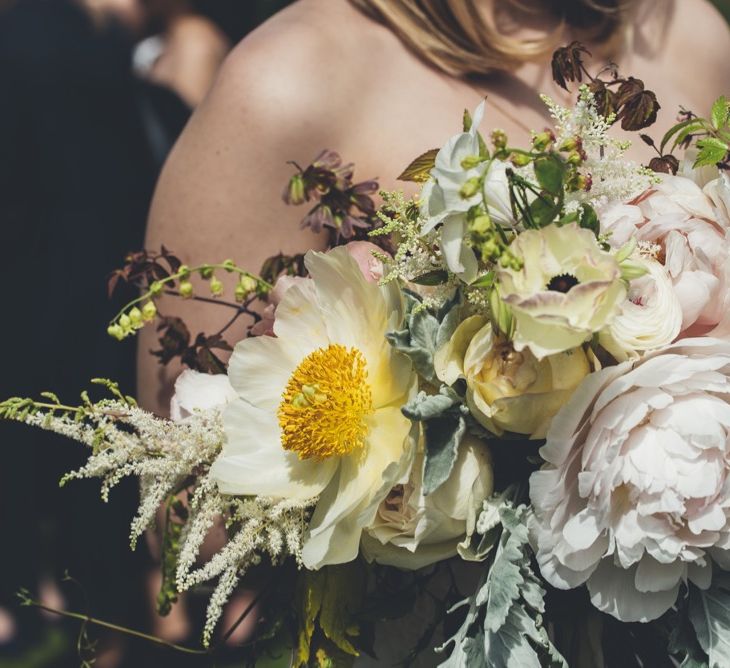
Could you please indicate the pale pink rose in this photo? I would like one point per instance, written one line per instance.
(682, 220)
(634, 498)
(199, 391)
(361, 252)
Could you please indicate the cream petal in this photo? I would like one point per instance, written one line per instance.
(254, 463)
(299, 320)
(260, 368)
(613, 591)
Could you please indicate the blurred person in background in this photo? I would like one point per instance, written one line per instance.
(82, 140)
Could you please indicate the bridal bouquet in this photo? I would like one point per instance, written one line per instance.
(525, 367)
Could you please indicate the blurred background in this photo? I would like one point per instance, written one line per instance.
(93, 94)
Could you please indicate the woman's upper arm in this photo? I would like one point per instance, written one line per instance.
(219, 195)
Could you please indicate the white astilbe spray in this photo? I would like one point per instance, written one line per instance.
(169, 458)
(613, 176)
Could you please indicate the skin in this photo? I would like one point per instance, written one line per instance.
(321, 75)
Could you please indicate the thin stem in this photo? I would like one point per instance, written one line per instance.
(116, 627)
(207, 300)
(243, 615)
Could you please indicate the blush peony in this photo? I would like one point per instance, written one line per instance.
(634, 498)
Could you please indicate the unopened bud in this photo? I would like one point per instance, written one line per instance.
(501, 314)
(155, 288)
(246, 285)
(481, 224)
(574, 158)
(216, 286)
(135, 318)
(520, 159)
(149, 311)
(125, 322)
(115, 331)
(570, 144)
(229, 265)
(206, 271)
(186, 289)
(499, 139)
(471, 161)
(184, 271)
(470, 187)
(543, 140)
(295, 193)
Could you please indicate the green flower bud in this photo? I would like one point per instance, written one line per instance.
(186, 289)
(216, 287)
(470, 188)
(206, 271)
(125, 322)
(115, 331)
(501, 314)
(246, 285)
(471, 161)
(481, 224)
(149, 311)
(520, 159)
(499, 139)
(543, 140)
(184, 271)
(569, 144)
(135, 318)
(229, 265)
(295, 192)
(156, 288)
(574, 158)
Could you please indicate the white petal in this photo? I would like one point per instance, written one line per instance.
(254, 463)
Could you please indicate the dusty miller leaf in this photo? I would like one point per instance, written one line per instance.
(709, 613)
(503, 624)
(443, 436)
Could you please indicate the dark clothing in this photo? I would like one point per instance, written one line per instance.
(76, 177)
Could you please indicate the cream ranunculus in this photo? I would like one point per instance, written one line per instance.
(199, 391)
(634, 498)
(509, 390)
(567, 288)
(650, 319)
(318, 413)
(412, 530)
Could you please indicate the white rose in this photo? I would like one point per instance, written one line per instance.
(634, 498)
(199, 391)
(412, 530)
(566, 289)
(649, 319)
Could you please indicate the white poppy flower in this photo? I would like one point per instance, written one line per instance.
(566, 289)
(634, 498)
(318, 413)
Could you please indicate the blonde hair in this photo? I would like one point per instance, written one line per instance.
(456, 37)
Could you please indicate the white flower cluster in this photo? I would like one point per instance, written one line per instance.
(613, 177)
(127, 441)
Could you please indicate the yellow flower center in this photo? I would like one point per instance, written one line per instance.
(324, 405)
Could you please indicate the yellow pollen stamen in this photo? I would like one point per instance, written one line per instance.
(324, 405)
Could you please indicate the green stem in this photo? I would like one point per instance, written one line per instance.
(116, 627)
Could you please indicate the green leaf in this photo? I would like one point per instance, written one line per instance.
(676, 128)
(544, 210)
(712, 151)
(419, 170)
(328, 600)
(550, 173)
(589, 219)
(466, 121)
(435, 277)
(709, 613)
(442, 437)
(720, 111)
